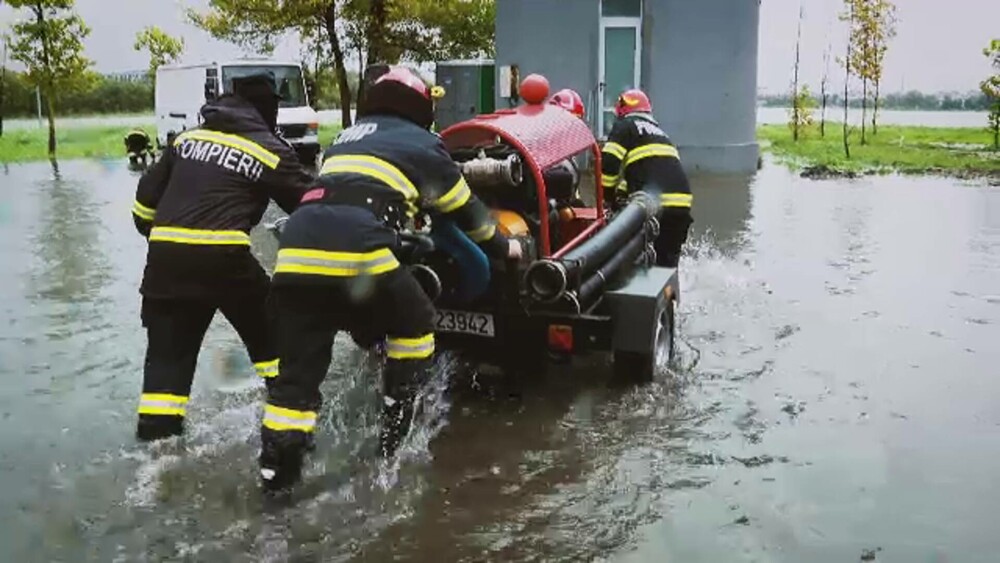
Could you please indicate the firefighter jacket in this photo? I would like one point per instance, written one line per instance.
(640, 156)
(198, 203)
(376, 177)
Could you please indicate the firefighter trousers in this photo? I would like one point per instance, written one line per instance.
(675, 223)
(307, 318)
(175, 330)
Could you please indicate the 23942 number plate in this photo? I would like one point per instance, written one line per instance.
(466, 322)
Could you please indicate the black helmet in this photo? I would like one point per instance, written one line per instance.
(261, 90)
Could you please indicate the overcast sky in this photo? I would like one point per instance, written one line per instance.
(938, 46)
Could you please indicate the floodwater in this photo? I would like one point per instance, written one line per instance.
(835, 399)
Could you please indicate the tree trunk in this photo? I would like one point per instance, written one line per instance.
(378, 14)
(330, 22)
(50, 109)
(847, 83)
(822, 119)
(875, 108)
(50, 90)
(796, 109)
(864, 108)
(3, 85)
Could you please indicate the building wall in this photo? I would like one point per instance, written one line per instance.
(699, 66)
(700, 69)
(555, 38)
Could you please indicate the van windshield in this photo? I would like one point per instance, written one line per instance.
(289, 79)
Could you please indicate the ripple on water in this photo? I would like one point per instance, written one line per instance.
(203, 487)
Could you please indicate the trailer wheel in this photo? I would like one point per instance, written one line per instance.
(639, 367)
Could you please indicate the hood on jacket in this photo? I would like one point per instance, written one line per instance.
(234, 114)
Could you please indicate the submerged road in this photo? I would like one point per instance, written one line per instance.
(836, 397)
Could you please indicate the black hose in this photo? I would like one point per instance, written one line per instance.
(548, 279)
(600, 278)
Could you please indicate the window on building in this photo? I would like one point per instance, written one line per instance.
(621, 8)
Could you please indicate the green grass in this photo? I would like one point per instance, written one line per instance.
(909, 150)
(26, 145)
(105, 142)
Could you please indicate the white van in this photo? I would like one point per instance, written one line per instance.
(182, 89)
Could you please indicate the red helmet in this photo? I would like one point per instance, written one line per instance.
(632, 101)
(570, 101)
(401, 92)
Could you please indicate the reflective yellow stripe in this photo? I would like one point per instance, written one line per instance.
(483, 233)
(614, 149)
(609, 181)
(283, 420)
(198, 236)
(267, 369)
(242, 144)
(676, 200)
(455, 198)
(162, 404)
(143, 212)
(335, 264)
(646, 151)
(372, 167)
(410, 348)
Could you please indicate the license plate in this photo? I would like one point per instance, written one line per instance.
(465, 322)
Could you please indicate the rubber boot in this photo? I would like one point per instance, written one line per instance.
(402, 382)
(281, 460)
(397, 416)
(151, 428)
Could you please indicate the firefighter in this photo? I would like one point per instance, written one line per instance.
(640, 156)
(196, 206)
(339, 268)
(138, 147)
(564, 177)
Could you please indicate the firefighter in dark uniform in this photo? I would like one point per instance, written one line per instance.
(196, 207)
(138, 147)
(339, 266)
(640, 156)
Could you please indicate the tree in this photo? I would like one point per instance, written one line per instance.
(860, 45)
(883, 29)
(3, 81)
(795, 111)
(849, 16)
(874, 24)
(991, 89)
(823, 86)
(801, 114)
(381, 31)
(50, 45)
(163, 49)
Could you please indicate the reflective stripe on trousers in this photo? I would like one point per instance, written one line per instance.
(267, 370)
(163, 404)
(335, 264)
(410, 348)
(281, 419)
(198, 236)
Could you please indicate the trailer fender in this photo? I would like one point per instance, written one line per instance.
(635, 309)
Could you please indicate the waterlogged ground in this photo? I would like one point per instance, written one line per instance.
(835, 399)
